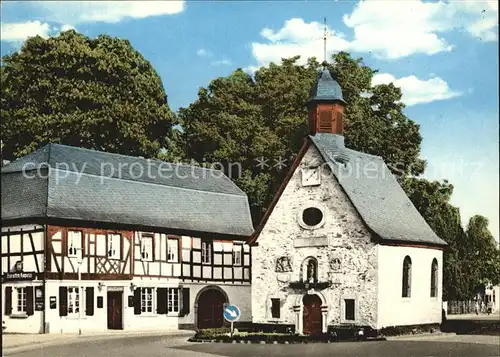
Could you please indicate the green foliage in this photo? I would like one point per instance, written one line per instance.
(472, 258)
(240, 119)
(95, 93)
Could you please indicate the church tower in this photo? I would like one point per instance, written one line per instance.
(326, 105)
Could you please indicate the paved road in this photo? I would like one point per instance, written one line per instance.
(177, 347)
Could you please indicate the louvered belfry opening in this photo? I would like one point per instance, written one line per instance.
(326, 105)
(326, 118)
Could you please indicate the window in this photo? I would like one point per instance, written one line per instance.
(325, 120)
(173, 300)
(206, 252)
(237, 254)
(283, 265)
(114, 246)
(173, 250)
(349, 307)
(406, 277)
(21, 300)
(434, 278)
(73, 301)
(311, 218)
(147, 248)
(275, 308)
(147, 300)
(74, 244)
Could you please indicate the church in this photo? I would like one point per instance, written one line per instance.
(341, 244)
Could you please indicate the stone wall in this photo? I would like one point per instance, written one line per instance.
(341, 236)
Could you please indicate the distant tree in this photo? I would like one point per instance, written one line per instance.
(241, 119)
(472, 258)
(95, 93)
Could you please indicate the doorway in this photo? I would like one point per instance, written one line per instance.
(210, 309)
(115, 308)
(312, 317)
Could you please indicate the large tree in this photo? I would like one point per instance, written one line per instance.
(244, 119)
(97, 93)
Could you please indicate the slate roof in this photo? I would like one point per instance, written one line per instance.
(88, 185)
(326, 88)
(376, 195)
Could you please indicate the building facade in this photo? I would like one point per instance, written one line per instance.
(85, 249)
(341, 244)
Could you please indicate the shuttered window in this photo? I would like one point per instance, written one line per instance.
(161, 300)
(89, 301)
(185, 302)
(137, 301)
(30, 308)
(8, 300)
(63, 301)
(21, 299)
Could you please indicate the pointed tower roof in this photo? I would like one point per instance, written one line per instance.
(326, 88)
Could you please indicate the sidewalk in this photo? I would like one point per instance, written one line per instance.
(21, 342)
(481, 316)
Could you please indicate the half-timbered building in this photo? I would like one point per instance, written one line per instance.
(94, 241)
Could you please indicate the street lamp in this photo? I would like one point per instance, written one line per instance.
(78, 253)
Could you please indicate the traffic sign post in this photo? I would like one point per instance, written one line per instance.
(232, 313)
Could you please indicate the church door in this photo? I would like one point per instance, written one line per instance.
(210, 309)
(312, 318)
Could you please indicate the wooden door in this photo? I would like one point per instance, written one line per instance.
(312, 317)
(115, 308)
(210, 309)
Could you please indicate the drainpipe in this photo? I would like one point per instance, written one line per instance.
(45, 278)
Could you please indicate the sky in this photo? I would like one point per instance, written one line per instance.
(443, 56)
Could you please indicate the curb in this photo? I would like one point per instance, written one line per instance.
(75, 339)
(420, 335)
(197, 340)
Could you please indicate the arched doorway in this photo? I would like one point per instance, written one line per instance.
(312, 317)
(210, 308)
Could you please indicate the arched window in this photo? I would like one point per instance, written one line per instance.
(310, 270)
(407, 277)
(434, 278)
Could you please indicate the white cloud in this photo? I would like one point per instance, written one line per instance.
(203, 53)
(296, 38)
(413, 26)
(389, 31)
(417, 91)
(76, 12)
(16, 32)
(222, 62)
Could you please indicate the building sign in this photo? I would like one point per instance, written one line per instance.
(18, 274)
(39, 300)
(53, 302)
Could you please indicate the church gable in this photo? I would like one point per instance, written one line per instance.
(313, 233)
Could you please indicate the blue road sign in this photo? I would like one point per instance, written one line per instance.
(232, 313)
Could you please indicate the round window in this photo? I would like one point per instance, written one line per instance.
(312, 216)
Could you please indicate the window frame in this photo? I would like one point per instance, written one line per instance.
(172, 294)
(204, 245)
(237, 248)
(177, 250)
(275, 308)
(343, 311)
(144, 238)
(406, 278)
(76, 303)
(119, 254)
(79, 250)
(300, 217)
(21, 292)
(434, 278)
(144, 307)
